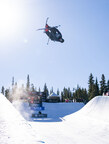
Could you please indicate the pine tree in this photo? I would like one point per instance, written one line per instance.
(57, 91)
(85, 95)
(46, 90)
(69, 93)
(107, 86)
(80, 95)
(96, 88)
(12, 81)
(28, 83)
(90, 83)
(75, 95)
(32, 88)
(65, 94)
(102, 85)
(7, 93)
(91, 92)
(39, 90)
(3, 90)
(62, 96)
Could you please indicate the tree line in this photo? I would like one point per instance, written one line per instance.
(95, 88)
(77, 94)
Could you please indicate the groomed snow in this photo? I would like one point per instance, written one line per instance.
(97, 108)
(13, 127)
(89, 125)
(55, 111)
(65, 125)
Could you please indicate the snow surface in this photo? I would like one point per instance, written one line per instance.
(64, 125)
(55, 111)
(14, 129)
(90, 125)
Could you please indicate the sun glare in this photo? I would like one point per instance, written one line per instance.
(8, 18)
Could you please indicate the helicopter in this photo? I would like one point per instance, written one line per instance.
(52, 32)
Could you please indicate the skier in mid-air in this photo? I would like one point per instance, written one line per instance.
(53, 33)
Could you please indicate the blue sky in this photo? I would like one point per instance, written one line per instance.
(23, 50)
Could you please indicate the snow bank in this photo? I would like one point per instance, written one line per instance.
(89, 125)
(97, 108)
(13, 128)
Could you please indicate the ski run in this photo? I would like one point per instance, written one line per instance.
(67, 123)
